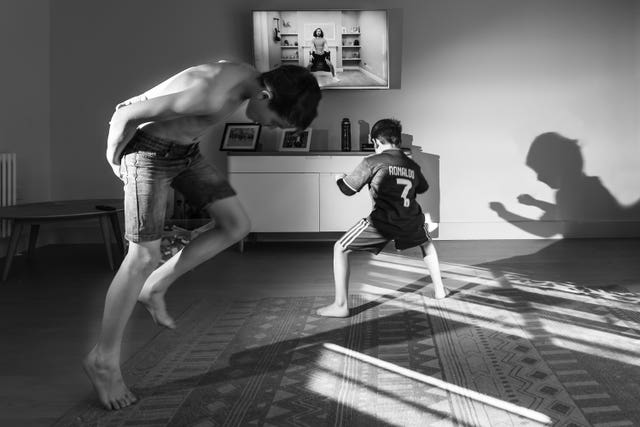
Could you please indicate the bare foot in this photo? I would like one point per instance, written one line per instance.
(108, 383)
(334, 310)
(441, 293)
(154, 303)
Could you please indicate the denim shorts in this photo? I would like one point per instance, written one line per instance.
(149, 167)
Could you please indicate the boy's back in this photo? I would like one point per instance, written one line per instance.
(394, 180)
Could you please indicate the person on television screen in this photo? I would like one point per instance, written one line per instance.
(393, 180)
(320, 59)
(153, 145)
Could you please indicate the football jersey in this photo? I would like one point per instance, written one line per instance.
(394, 180)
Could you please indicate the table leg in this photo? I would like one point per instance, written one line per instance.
(33, 238)
(13, 246)
(106, 236)
(115, 225)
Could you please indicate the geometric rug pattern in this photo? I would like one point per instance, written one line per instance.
(501, 352)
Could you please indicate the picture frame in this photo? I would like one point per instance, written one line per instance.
(292, 140)
(240, 137)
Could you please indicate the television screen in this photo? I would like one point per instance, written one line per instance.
(344, 49)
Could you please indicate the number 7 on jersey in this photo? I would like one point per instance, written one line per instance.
(405, 192)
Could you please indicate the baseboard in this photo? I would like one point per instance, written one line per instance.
(295, 237)
(373, 76)
(89, 232)
(536, 230)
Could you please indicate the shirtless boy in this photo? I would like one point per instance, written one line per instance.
(153, 145)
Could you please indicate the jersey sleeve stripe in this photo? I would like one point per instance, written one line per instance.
(347, 184)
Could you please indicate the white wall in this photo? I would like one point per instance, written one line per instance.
(24, 89)
(484, 83)
(480, 80)
(637, 70)
(105, 52)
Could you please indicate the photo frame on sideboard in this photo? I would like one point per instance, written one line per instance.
(293, 140)
(240, 137)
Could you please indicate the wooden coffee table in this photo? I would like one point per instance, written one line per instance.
(35, 214)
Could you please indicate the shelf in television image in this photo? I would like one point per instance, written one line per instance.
(357, 43)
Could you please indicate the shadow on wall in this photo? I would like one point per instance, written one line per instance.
(365, 131)
(583, 206)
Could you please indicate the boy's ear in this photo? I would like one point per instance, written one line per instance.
(266, 94)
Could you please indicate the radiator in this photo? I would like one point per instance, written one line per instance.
(7, 187)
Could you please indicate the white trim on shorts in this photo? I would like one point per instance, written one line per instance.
(353, 233)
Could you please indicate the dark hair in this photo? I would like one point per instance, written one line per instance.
(321, 32)
(388, 130)
(296, 94)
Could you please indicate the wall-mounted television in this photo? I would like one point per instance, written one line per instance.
(344, 49)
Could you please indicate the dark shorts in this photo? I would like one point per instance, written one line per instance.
(150, 166)
(363, 236)
(321, 56)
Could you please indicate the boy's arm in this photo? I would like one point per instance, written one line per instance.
(346, 190)
(125, 120)
(352, 183)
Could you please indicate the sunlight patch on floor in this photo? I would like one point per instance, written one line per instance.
(399, 280)
(397, 266)
(502, 313)
(378, 290)
(485, 317)
(568, 291)
(335, 384)
(594, 342)
(583, 315)
(459, 272)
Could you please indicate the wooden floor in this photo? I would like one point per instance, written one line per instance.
(50, 309)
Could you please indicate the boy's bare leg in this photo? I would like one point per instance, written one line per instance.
(102, 365)
(433, 265)
(333, 70)
(231, 225)
(340, 306)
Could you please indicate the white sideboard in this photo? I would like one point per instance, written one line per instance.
(296, 192)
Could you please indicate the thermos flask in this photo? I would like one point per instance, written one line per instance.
(346, 135)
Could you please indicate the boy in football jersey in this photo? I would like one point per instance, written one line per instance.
(394, 180)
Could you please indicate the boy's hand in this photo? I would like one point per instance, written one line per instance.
(120, 133)
(115, 168)
(131, 101)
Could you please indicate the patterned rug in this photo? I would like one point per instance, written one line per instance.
(503, 352)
